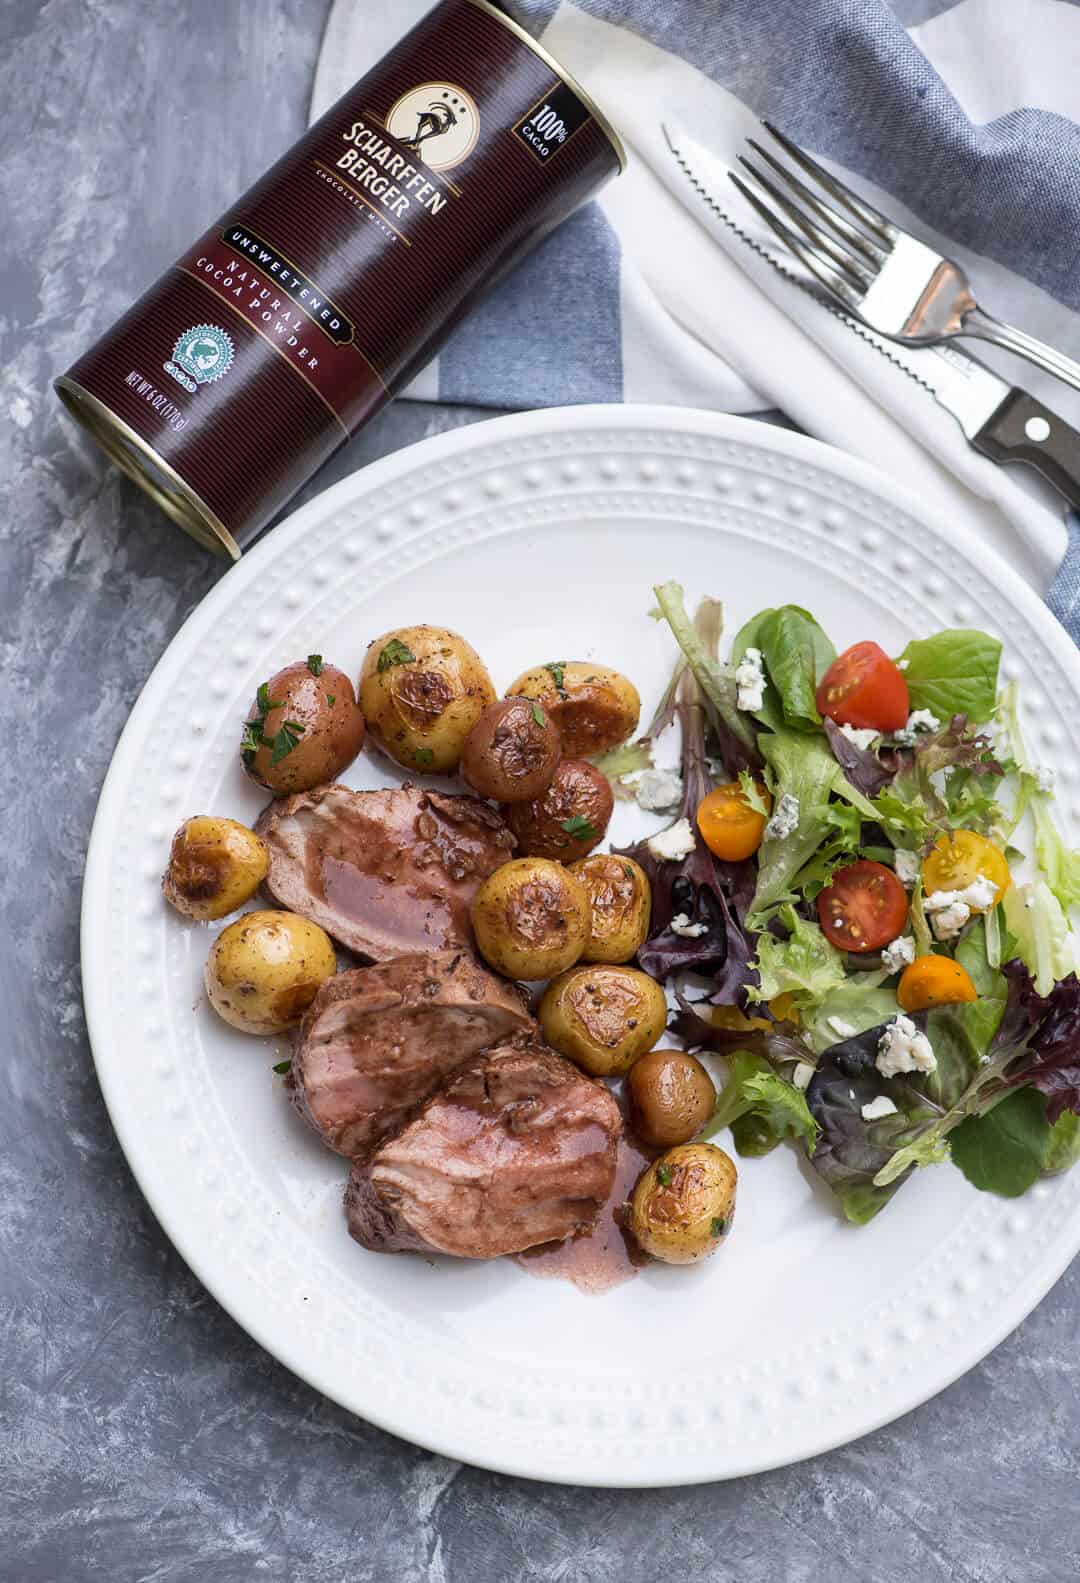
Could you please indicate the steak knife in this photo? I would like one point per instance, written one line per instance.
(999, 420)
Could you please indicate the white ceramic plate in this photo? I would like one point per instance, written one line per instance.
(540, 536)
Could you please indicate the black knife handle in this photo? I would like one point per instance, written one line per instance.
(1023, 430)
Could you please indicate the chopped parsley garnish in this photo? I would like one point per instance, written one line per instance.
(394, 653)
(254, 736)
(538, 714)
(315, 664)
(283, 1068)
(558, 675)
(579, 826)
(287, 739)
(663, 1175)
(424, 755)
(264, 701)
(719, 1225)
(330, 698)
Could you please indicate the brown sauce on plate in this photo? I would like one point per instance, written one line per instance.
(597, 1260)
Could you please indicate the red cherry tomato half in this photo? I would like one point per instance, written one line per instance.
(862, 687)
(864, 907)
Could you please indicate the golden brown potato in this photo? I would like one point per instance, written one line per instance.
(682, 1206)
(603, 1017)
(595, 708)
(568, 819)
(215, 866)
(422, 689)
(671, 1097)
(620, 905)
(265, 968)
(512, 751)
(304, 728)
(531, 918)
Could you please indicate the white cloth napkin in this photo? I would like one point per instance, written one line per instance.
(733, 329)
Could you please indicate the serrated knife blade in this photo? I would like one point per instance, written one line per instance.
(1001, 421)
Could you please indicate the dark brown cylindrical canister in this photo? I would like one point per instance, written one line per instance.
(337, 276)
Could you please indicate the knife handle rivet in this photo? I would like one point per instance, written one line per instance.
(1037, 429)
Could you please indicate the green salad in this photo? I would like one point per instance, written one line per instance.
(863, 903)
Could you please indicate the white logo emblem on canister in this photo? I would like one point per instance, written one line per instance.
(438, 122)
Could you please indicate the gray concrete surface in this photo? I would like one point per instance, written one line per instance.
(143, 1437)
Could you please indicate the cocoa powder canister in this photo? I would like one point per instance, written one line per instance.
(327, 286)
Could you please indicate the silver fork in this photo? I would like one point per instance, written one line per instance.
(878, 272)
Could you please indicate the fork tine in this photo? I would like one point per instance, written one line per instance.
(867, 248)
(834, 283)
(851, 267)
(872, 218)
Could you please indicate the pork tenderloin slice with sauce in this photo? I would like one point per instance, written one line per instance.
(518, 1149)
(383, 872)
(377, 1041)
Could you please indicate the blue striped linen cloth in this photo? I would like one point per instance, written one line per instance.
(959, 117)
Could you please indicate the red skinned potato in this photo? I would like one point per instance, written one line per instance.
(303, 729)
(512, 751)
(568, 819)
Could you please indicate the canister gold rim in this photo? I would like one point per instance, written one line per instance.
(571, 82)
(187, 509)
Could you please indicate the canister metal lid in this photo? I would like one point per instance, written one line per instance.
(545, 55)
(145, 467)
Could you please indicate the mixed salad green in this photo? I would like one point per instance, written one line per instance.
(840, 909)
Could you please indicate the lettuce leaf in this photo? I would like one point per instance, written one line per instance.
(862, 767)
(953, 673)
(754, 1089)
(803, 965)
(979, 1019)
(854, 1155)
(1038, 924)
(715, 681)
(1003, 1150)
(803, 767)
(1063, 1145)
(862, 1000)
(1059, 863)
(796, 654)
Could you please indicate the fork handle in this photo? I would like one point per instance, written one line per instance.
(983, 327)
(1023, 430)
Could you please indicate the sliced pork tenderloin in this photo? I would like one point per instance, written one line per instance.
(517, 1149)
(378, 1040)
(383, 872)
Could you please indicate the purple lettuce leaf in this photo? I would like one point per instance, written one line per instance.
(1038, 1040)
(701, 887)
(952, 746)
(863, 768)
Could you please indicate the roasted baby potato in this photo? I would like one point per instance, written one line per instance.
(595, 708)
(682, 1206)
(568, 819)
(422, 689)
(304, 728)
(215, 866)
(620, 904)
(264, 969)
(512, 751)
(671, 1097)
(531, 918)
(603, 1017)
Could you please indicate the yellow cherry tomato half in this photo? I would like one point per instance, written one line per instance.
(735, 1021)
(730, 828)
(958, 858)
(934, 981)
